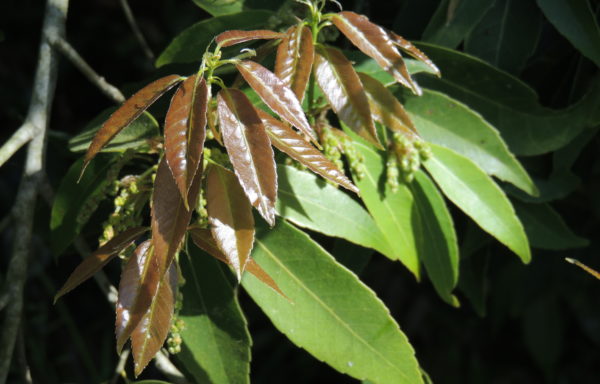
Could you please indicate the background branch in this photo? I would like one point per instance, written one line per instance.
(16, 141)
(136, 30)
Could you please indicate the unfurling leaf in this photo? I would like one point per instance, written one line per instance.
(138, 285)
(229, 38)
(295, 56)
(230, 217)
(153, 328)
(97, 260)
(249, 150)
(374, 41)
(129, 111)
(385, 108)
(185, 131)
(278, 96)
(204, 240)
(344, 91)
(288, 141)
(415, 52)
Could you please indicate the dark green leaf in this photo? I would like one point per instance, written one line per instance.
(224, 7)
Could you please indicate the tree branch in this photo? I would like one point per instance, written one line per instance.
(16, 141)
(136, 30)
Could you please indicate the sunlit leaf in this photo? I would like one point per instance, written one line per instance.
(185, 131)
(374, 41)
(295, 56)
(249, 150)
(230, 217)
(344, 91)
(97, 260)
(278, 96)
(228, 38)
(415, 52)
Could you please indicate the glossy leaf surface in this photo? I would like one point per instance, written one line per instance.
(415, 52)
(185, 131)
(228, 38)
(344, 91)
(230, 217)
(249, 150)
(295, 56)
(97, 260)
(277, 95)
(479, 197)
(337, 302)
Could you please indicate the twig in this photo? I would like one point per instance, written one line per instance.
(166, 367)
(136, 30)
(120, 369)
(23, 211)
(16, 141)
(70, 53)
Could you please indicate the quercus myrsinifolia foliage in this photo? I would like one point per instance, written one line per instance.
(215, 162)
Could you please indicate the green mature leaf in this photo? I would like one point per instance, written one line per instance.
(326, 315)
(224, 7)
(546, 229)
(575, 20)
(543, 329)
(508, 104)
(308, 202)
(393, 212)
(135, 135)
(191, 44)
(507, 35)
(450, 25)
(479, 197)
(216, 341)
(441, 120)
(436, 238)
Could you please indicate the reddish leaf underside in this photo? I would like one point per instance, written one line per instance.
(375, 42)
(344, 91)
(233, 37)
(409, 48)
(278, 96)
(249, 150)
(97, 260)
(295, 56)
(230, 217)
(185, 131)
(131, 109)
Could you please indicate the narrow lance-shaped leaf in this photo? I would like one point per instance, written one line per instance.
(374, 41)
(249, 150)
(233, 37)
(97, 260)
(129, 111)
(152, 330)
(344, 91)
(230, 217)
(278, 96)
(288, 141)
(185, 131)
(295, 56)
(415, 52)
(138, 285)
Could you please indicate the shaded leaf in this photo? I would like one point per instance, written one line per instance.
(479, 197)
(337, 302)
(375, 42)
(278, 96)
(97, 260)
(185, 131)
(344, 91)
(129, 111)
(249, 150)
(295, 56)
(152, 330)
(230, 217)
(228, 38)
(415, 52)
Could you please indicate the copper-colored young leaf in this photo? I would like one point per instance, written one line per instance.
(170, 217)
(249, 150)
(97, 260)
(138, 285)
(185, 131)
(415, 52)
(344, 91)
(295, 56)
(288, 141)
(152, 330)
(385, 108)
(230, 217)
(204, 240)
(233, 37)
(278, 96)
(374, 41)
(129, 111)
